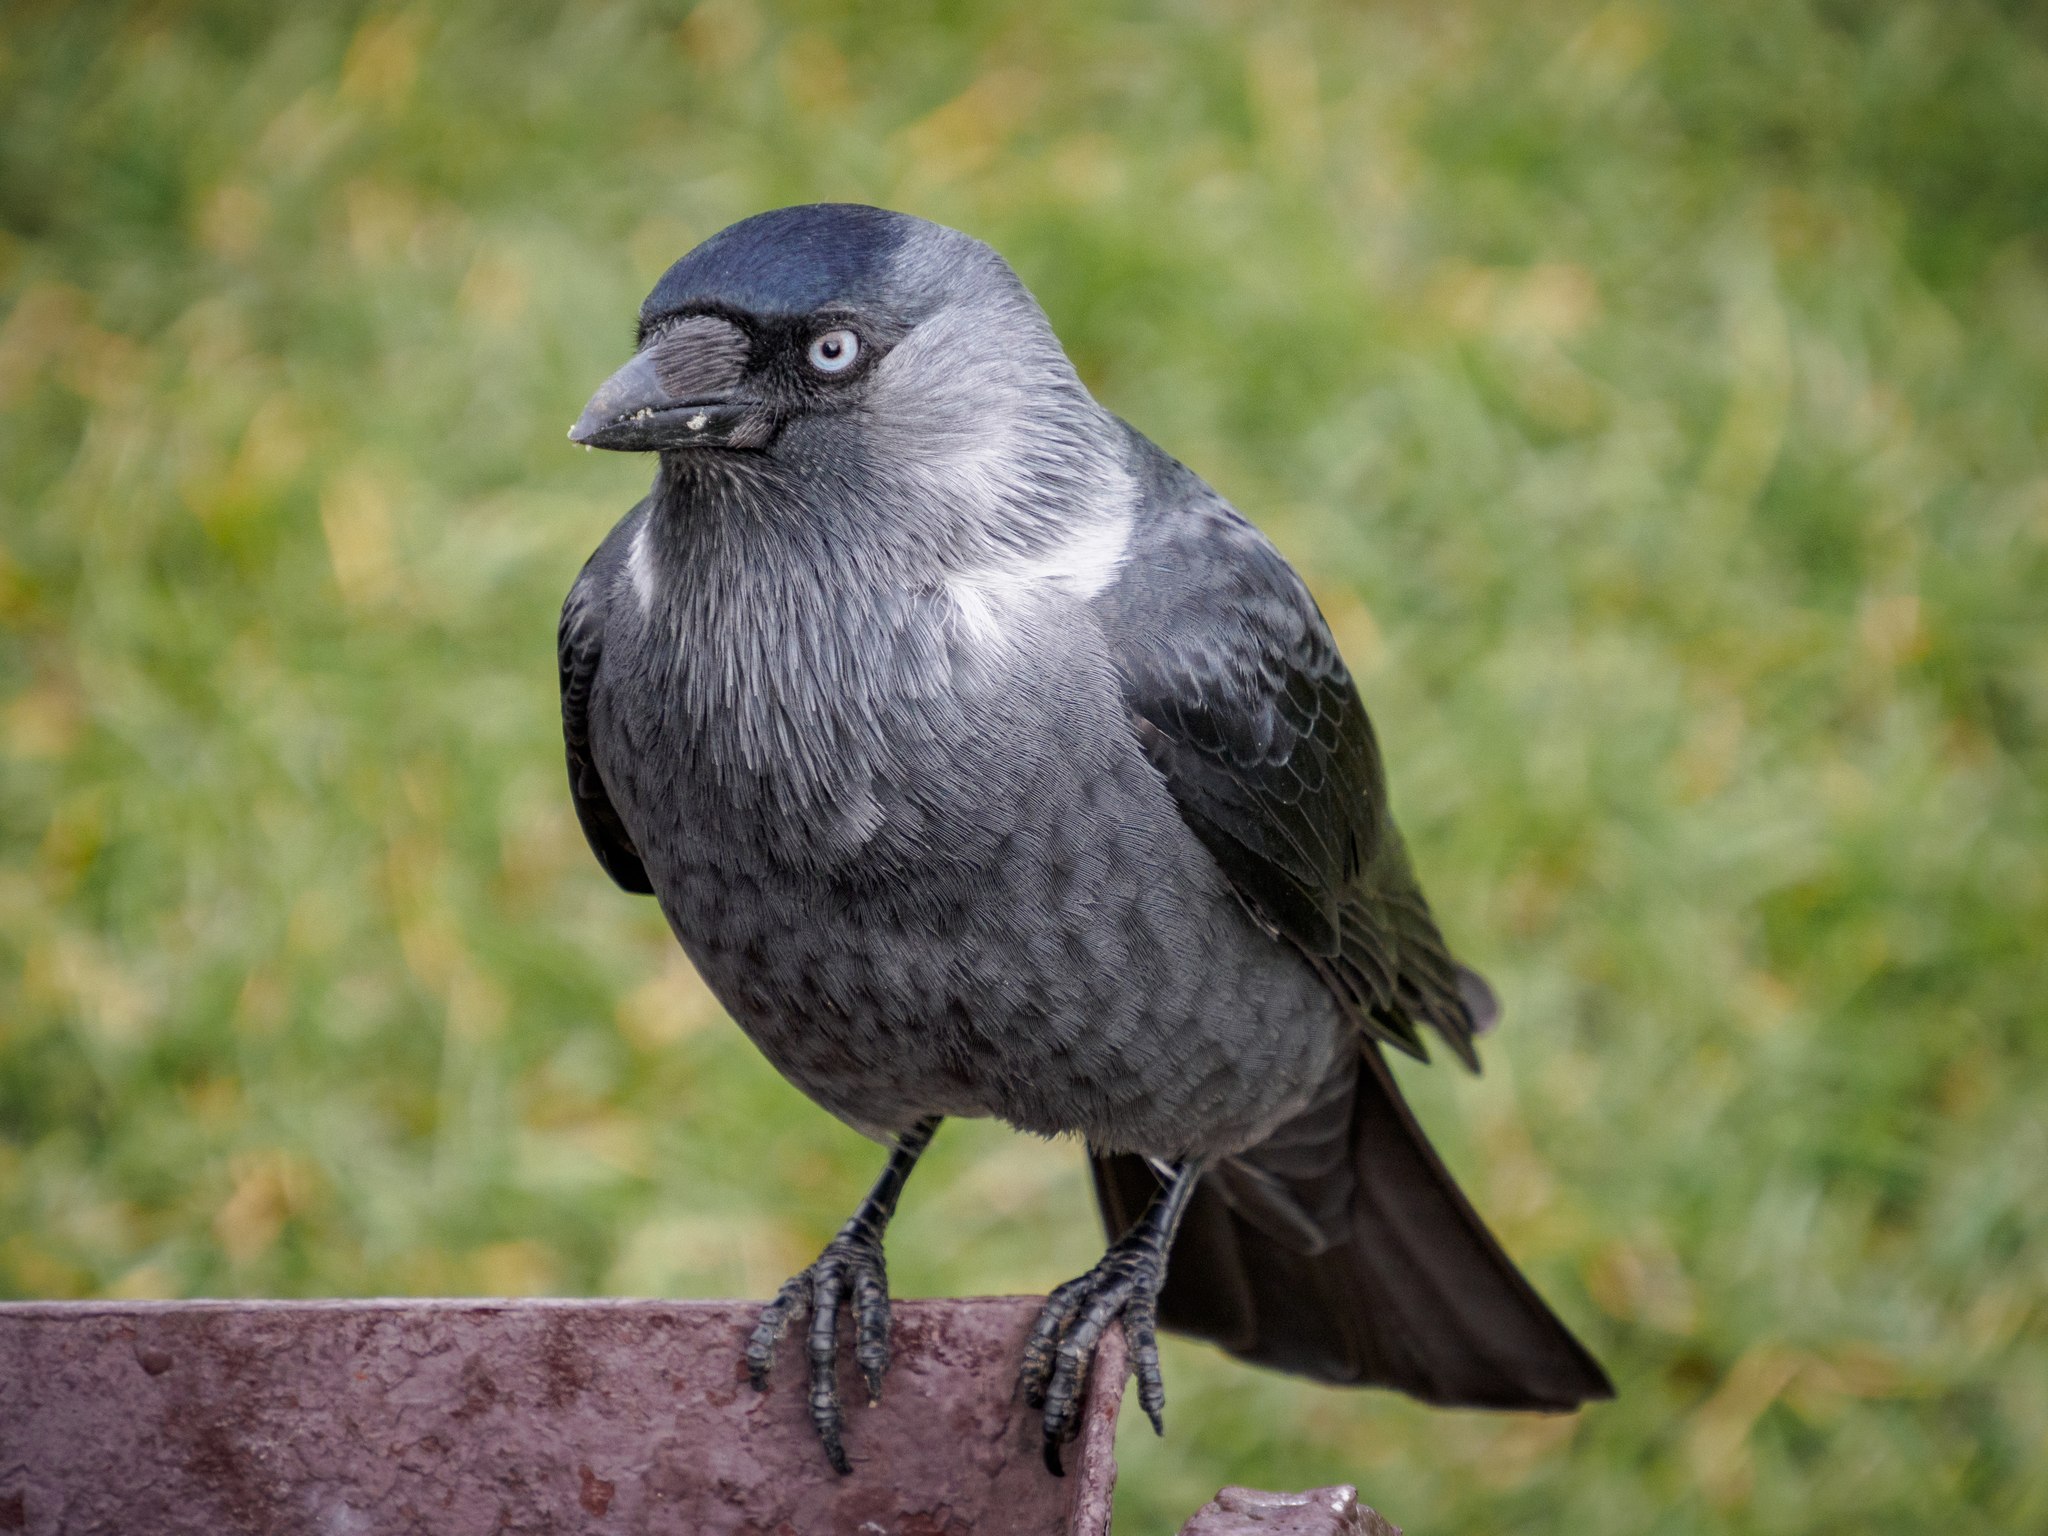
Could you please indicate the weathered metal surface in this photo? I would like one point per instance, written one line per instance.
(357, 1418)
(1318, 1512)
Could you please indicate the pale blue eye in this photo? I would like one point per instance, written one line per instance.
(835, 351)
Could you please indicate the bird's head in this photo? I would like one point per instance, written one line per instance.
(852, 341)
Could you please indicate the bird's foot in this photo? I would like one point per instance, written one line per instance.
(1124, 1285)
(850, 1269)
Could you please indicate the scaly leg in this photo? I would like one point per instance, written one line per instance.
(1125, 1284)
(850, 1268)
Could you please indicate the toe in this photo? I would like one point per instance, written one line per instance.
(789, 1306)
(1072, 1358)
(1041, 1350)
(1140, 1321)
(871, 1333)
(823, 1347)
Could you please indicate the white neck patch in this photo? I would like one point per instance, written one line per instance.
(1080, 566)
(640, 568)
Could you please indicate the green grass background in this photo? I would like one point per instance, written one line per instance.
(1654, 393)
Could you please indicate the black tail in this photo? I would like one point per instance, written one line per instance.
(1341, 1250)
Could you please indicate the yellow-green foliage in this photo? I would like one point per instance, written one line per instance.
(1654, 393)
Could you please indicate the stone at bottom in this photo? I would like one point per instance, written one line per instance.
(1318, 1512)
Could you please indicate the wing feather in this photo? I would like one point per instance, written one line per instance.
(579, 647)
(1240, 699)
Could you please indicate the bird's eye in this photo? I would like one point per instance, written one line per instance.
(835, 351)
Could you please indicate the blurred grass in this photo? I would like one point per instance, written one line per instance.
(1654, 393)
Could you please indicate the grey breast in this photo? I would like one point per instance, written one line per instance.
(944, 879)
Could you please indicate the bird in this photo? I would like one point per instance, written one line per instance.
(986, 762)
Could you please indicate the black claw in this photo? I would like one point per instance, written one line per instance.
(850, 1268)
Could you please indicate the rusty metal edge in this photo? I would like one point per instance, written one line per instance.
(1094, 1474)
(1091, 1461)
(101, 1307)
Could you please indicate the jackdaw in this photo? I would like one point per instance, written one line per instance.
(986, 762)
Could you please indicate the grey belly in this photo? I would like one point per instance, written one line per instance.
(1090, 973)
(1019, 925)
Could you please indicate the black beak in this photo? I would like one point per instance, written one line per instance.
(679, 391)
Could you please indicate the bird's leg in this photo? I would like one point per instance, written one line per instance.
(1125, 1284)
(850, 1267)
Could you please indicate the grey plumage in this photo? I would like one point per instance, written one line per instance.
(987, 763)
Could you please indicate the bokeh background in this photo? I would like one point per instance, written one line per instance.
(1654, 394)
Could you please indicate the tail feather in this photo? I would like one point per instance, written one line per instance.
(1343, 1251)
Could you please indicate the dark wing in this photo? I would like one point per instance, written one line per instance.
(1241, 701)
(579, 645)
